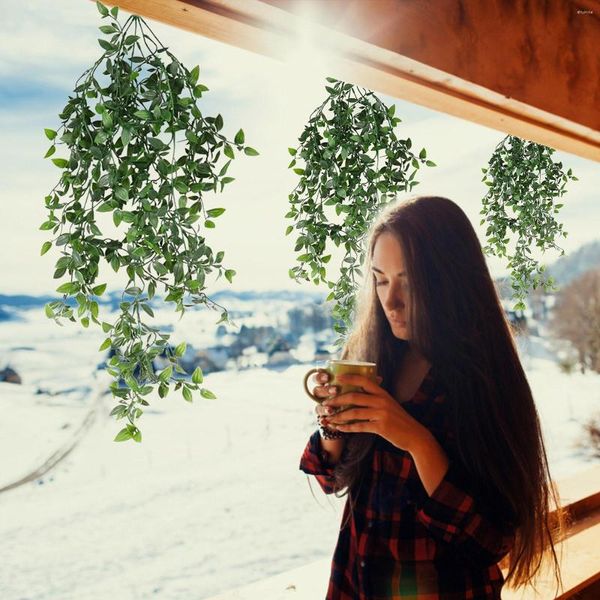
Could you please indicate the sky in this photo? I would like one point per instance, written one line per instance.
(44, 47)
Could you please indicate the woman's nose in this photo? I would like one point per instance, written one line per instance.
(394, 299)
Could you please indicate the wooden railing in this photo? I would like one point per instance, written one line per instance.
(579, 553)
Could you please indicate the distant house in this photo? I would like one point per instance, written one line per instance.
(10, 376)
(322, 352)
(517, 320)
(210, 360)
(279, 354)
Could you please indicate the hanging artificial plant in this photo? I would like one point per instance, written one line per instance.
(351, 163)
(140, 150)
(524, 184)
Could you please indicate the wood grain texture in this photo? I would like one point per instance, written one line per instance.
(529, 68)
(543, 53)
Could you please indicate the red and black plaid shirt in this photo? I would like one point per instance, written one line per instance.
(403, 543)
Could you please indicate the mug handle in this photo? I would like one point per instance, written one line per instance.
(306, 385)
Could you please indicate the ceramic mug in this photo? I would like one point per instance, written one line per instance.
(343, 367)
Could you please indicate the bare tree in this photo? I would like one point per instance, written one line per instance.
(576, 318)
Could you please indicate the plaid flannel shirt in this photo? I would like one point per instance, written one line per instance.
(403, 543)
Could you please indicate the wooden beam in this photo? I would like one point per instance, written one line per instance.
(265, 27)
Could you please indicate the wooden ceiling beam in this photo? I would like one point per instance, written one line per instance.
(397, 47)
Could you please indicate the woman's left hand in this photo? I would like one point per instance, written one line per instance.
(382, 413)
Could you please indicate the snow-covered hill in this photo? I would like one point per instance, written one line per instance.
(212, 498)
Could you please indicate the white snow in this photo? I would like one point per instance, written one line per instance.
(213, 497)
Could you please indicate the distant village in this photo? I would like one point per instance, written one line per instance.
(297, 326)
(307, 336)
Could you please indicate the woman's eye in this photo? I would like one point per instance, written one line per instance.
(378, 283)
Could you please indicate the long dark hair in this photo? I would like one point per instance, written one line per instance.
(457, 323)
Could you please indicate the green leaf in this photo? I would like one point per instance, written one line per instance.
(125, 136)
(122, 194)
(250, 151)
(106, 45)
(166, 373)
(123, 435)
(228, 151)
(99, 289)
(119, 411)
(105, 344)
(48, 310)
(147, 310)
(209, 224)
(193, 76)
(180, 349)
(215, 212)
(45, 247)
(107, 120)
(229, 273)
(187, 394)
(60, 162)
(50, 151)
(207, 394)
(197, 376)
(67, 288)
(50, 133)
(106, 327)
(198, 90)
(137, 435)
(102, 9)
(156, 143)
(239, 137)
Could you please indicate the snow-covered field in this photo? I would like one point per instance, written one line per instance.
(213, 497)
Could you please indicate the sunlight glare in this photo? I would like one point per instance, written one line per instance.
(307, 58)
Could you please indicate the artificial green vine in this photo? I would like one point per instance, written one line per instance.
(354, 164)
(141, 151)
(524, 183)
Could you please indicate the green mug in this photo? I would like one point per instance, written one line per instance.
(339, 367)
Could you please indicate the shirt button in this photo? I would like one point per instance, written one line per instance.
(362, 563)
(370, 524)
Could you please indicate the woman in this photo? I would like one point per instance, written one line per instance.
(446, 472)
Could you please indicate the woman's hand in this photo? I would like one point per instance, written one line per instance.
(322, 390)
(381, 413)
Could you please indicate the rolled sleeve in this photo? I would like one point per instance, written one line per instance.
(314, 461)
(452, 515)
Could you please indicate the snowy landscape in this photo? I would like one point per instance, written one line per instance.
(212, 498)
